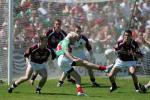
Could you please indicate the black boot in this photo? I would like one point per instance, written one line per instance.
(11, 88)
(60, 83)
(113, 87)
(142, 88)
(38, 90)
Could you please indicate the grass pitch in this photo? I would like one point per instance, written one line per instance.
(125, 91)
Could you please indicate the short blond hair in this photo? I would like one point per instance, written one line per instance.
(72, 35)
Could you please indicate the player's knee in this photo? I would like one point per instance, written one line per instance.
(110, 75)
(79, 77)
(132, 72)
(44, 76)
(90, 70)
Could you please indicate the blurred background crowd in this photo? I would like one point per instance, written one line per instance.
(103, 21)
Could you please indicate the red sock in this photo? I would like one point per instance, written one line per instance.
(102, 68)
(80, 89)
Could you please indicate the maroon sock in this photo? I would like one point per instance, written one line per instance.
(80, 89)
(102, 68)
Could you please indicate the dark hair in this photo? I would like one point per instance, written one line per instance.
(128, 31)
(58, 20)
(77, 26)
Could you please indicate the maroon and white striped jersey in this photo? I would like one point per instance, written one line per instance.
(38, 55)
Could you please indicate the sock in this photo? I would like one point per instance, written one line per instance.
(92, 80)
(13, 85)
(102, 68)
(68, 76)
(114, 84)
(136, 86)
(33, 77)
(147, 87)
(61, 82)
(80, 89)
(38, 88)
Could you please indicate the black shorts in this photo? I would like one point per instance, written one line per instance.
(73, 63)
(71, 70)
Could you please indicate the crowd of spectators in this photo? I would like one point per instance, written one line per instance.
(102, 21)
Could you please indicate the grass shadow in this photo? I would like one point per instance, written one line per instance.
(87, 85)
(58, 94)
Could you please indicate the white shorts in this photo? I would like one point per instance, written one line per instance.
(80, 54)
(64, 63)
(37, 67)
(121, 64)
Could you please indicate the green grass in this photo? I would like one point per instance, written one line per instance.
(50, 92)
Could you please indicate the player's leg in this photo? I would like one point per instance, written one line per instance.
(63, 77)
(64, 64)
(111, 76)
(89, 65)
(70, 79)
(145, 87)
(77, 78)
(33, 77)
(43, 73)
(142, 88)
(27, 76)
(132, 71)
(61, 80)
(92, 78)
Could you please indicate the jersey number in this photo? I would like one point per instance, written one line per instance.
(59, 47)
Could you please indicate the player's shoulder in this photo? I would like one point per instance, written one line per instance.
(49, 48)
(49, 32)
(34, 46)
(83, 37)
(120, 41)
(134, 42)
(63, 32)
